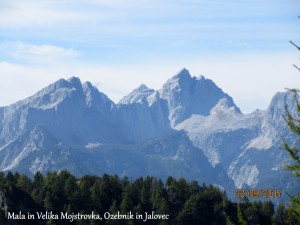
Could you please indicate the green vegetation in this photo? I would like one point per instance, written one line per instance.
(293, 121)
(180, 201)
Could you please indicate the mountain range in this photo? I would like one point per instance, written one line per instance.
(189, 128)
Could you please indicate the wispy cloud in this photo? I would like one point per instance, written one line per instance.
(150, 26)
(32, 53)
(145, 41)
(33, 13)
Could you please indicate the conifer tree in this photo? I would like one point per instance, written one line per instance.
(293, 121)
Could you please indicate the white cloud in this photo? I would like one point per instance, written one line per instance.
(19, 51)
(154, 26)
(136, 17)
(32, 13)
(139, 41)
(55, 14)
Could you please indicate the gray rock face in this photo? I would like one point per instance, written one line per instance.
(143, 114)
(262, 159)
(188, 95)
(76, 113)
(189, 128)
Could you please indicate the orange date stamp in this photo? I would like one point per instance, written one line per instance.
(258, 193)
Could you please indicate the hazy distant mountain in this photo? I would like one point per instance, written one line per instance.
(188, 95)
(190, 128)
(75, 113)
(143, 114)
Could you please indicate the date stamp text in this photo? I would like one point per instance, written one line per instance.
(258, 193)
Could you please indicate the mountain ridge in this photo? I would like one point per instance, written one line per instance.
(68, 121)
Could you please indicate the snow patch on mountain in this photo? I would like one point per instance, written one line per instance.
(93, 145)
(41, 163)
(248, 174)
(260, 143)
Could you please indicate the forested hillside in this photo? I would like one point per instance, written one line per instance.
(61, 198)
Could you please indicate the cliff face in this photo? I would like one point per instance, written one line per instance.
(189, 128)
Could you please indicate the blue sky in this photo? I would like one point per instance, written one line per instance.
(243, 46)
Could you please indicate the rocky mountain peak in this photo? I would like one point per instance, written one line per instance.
(138, 95)
(74, 126)
(188, 95)
(74, 80)
(182, 74)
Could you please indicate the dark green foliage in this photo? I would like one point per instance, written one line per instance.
(293, 121)
(184, 202)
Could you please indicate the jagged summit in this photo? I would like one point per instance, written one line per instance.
(142, 87)
(73, 111)
(201, 77)
(187, 95)
(72, 125)
(138, 95)
(64, 89)
(64, 83)
(183, 73)
(74, 80)
(88, 85)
